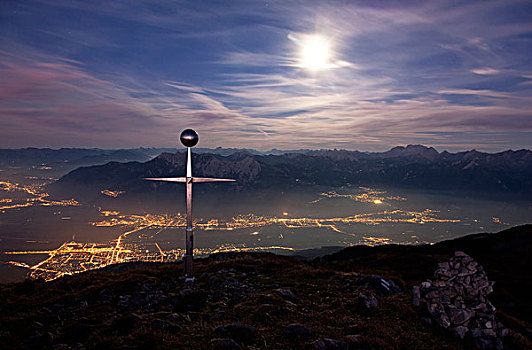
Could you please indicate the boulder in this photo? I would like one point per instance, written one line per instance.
(287, 294)
(368, 301)
(459, 331)
(381, 286)
(459, 316)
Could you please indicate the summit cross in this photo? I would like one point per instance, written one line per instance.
(189, 138)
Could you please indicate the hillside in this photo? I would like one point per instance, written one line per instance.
(265, 301)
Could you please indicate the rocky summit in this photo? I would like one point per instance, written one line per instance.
(395, 297)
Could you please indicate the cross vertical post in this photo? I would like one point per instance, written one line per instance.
(189, 237)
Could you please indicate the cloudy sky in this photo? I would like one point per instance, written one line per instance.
(365, 75)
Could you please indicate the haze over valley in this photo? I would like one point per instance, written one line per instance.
(66, 214)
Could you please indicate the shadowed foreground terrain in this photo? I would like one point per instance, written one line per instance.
(265, 301)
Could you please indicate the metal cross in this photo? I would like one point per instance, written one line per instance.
(189, 138)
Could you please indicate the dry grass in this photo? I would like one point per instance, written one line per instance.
(87, 310)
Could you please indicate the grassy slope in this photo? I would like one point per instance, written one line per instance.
(87, 308)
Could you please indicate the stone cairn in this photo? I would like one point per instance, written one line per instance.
(456, 301)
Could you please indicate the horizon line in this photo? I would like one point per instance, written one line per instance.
(266, 152)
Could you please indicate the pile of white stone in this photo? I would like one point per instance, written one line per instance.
(456, 301)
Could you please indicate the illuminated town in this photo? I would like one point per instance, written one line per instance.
(112, 194)
(36, 197)
(368, 195)
(253, 221)
(74, 257)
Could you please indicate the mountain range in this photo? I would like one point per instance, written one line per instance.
(58, 162)
(414, 166)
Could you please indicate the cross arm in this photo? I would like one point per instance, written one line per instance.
(167, 179)
(210, 179)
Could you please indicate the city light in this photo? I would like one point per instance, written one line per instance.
(74, 257)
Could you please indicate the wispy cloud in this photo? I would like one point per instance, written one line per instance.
(485, 71)
(122, 75)
(49, 102)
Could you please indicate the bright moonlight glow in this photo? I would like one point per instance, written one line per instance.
(316, 53)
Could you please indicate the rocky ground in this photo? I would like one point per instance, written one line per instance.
(263, 301)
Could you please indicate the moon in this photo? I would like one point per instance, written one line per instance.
(316, 53)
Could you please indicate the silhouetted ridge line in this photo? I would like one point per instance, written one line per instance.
(417, 167)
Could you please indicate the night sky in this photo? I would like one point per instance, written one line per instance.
(365, 75)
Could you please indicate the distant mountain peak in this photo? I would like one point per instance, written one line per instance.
(412, 150)
(420, 147)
